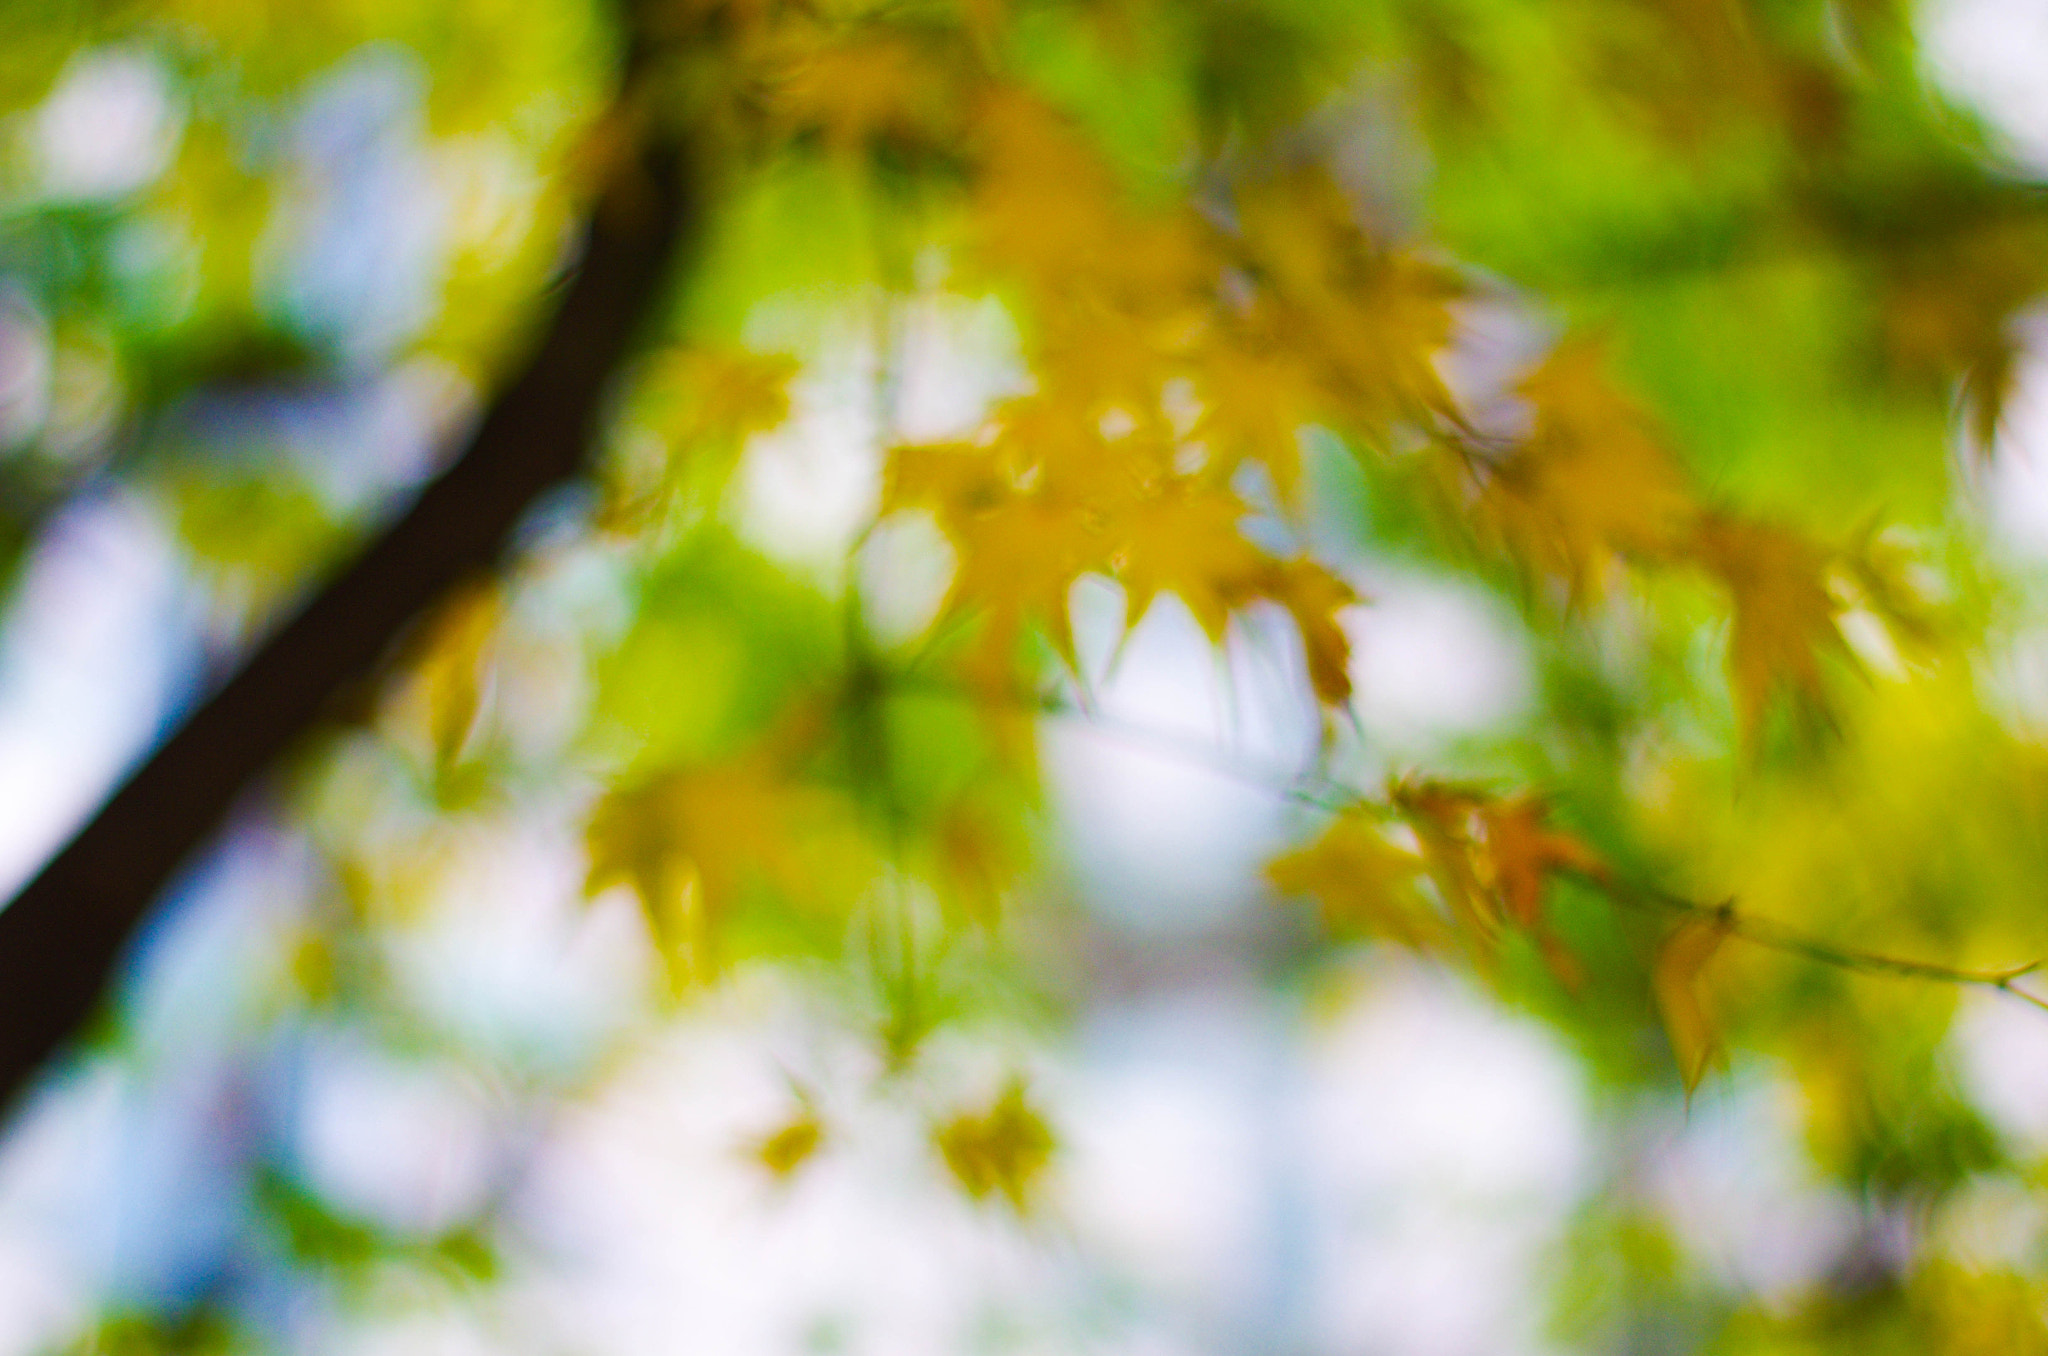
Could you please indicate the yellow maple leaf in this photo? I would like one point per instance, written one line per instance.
(1254, 406)
(1678, 980)
(1381, 333)
(1299, 229)
(1185, 539)
(783, 1150)
(448, 681)
(857, 87)
(1018, 545)
(1055, 442)
(1018, 562)
(1362, 882)
(1042, 206)
(1003, 1148)
(1369, 319)
(690, 842)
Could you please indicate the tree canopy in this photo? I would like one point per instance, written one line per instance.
(693, 464)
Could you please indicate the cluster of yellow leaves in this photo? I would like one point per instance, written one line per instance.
(1486, 861)
(1592, 488)
(1174, 346)
(1172, 351)
(1439, 865)
(1170, 354)
(1177, 351)
(1169, 351)
(1029, 515)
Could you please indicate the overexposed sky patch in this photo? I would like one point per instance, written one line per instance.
(90, 657)
(1989, 55)
(107, 128)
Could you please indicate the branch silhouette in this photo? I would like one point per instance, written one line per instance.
(64, 933)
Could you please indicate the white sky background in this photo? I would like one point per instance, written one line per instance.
(1385, 1179)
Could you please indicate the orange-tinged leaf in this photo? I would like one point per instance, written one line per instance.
(1678, 980)
(1591, 484)
(1363, 883)
(1446, 818)
(1784, 616)
(1491, 860)
(1004, 1148)
(1523, 852)
(1315, 596)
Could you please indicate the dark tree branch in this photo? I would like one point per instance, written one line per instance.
(62, 936)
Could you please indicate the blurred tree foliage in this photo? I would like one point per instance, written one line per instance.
(1663, 320)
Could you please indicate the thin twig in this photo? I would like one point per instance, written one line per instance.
(1772, 935)
(1334, 797)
